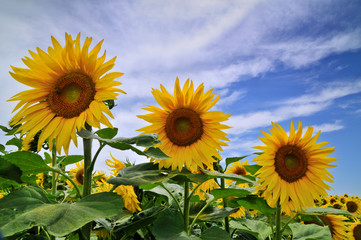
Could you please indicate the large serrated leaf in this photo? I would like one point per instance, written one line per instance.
(30, 208)
(324, 211)
(229, 192)
(256, 203)
(257, 228)
(234, 159)
(215, 233)
(211, 213)
(309, 232)
(238, 178)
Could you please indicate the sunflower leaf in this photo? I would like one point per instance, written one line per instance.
(252, 169)
(15, 142)
(30, 207)
(107, 133)
(257, 228)
(238, 178)
(215, 233)
(309, 231)
(210, 213)
(234, 159)
(324, 211)
(70, 159)
(229, 192)
(144, 173)
(132, 223)
(256, 203)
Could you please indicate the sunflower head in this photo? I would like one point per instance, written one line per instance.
(336, 224)
(189, 132)
(355, 230)
(291, 164)
(68, 89)
(77, 173)
(115, 165)
(353, 206)
(238, 169)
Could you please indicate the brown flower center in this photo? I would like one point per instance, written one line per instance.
(79, 176)
(71, 95)
(351, 206)
(184, 127)
(328, 223)
(240, 171)
(357, 232)
(290, 163)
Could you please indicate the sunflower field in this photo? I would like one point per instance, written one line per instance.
(185, 191)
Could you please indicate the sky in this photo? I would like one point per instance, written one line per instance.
(269, 60)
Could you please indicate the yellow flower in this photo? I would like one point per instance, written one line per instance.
(127, 192)
(353, 206)
(40, 179)
(355, 231)
(206, 186)
(189, 132)
(337, 225)
(68, 89)
(237, 168)
(292, 165)
(77, 173)
(115, 165)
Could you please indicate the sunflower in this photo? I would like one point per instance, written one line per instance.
(204, 188)
(355, 231)
(40, 178)
(126, 191)
(336, 224)
(115, 165)
(68, 89)
(239, 169)
(353, 206)
(77, 173)
(189, 132)
(293, 164)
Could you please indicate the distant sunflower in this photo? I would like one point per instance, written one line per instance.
(355, 231)
(77, 173)
(353, 206)
(293, 164)
(238, 169)
(68, 90)
(189, 132)
(127, 192)
(337, 225)
(204, 188)
(115, 165)
(40, 179)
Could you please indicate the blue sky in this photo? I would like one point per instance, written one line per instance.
(270, 61)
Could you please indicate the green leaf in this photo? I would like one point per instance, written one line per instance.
(234, 159)
(238, 178)
(132, 223)
(145, 173)
(175, 189)
(309, 232)
(154, 152)
(70, 159)
(324, 211)
(257, 228)
(215, 233)
(10, 171)
(252, 169)
(28, 162)
(31, 208)
(2, 148)
(107, 133)
(211, 213)
(256, 203)
(169, 225)
(230, 192)
(15, 142)
(5, 183)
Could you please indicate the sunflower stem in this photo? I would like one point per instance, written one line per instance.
(226, 219)
(87, 181)
(186, 206)
(175, 200)
(198, 214)
(53, 177)
(278, 235)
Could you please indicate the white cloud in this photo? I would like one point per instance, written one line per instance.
(328, 127)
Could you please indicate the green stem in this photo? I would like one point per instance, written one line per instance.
(71, 180)
(271, 224)
(176, 201)
(87, 180)
(226, 219)
(278, 235)
(186, 206)
(290, 220)
(193, 191)
(102, 145)
(198, 214)
(53, 177)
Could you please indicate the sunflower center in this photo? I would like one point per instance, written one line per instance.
(328, 223)
(357, 232)
(351, 207)
(79, 176)
(290, 163)
(240, 171)
(71, 95)
(184, 127)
